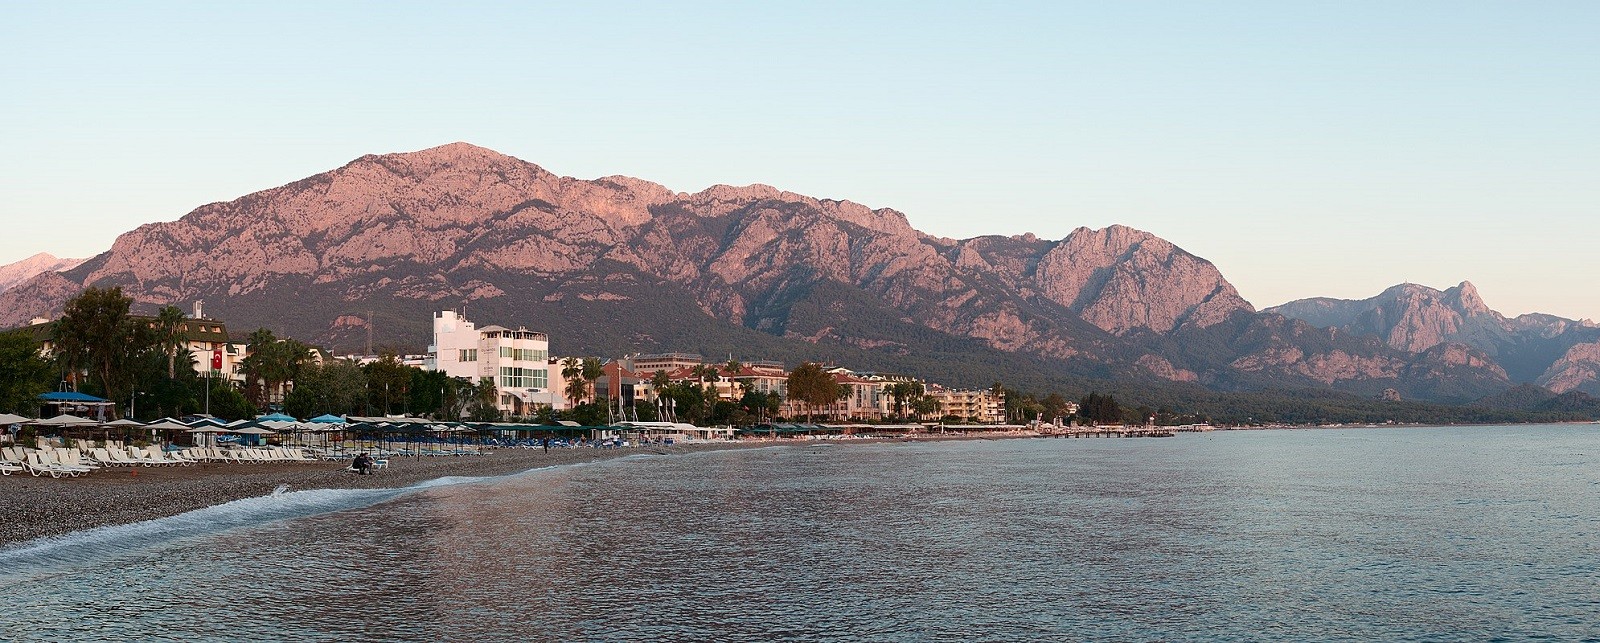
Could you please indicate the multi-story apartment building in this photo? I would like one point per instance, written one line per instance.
(517, 361)
(647, 365)
(982, 406)
(762, 376)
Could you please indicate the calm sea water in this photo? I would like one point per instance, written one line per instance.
(1360, 534)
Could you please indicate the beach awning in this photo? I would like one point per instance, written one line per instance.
(71, 397)
(254, 430)
(66, 420)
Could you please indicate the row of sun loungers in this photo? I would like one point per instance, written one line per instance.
(58, 462)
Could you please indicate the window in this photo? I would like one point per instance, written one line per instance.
(513, 377)
(468, 355)
(524, 354)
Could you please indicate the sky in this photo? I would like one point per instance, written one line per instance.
(1307, 149)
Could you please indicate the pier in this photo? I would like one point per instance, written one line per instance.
(1120, 431)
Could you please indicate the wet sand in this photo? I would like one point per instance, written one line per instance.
(33, 507)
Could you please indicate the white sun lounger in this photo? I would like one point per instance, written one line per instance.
(39, 465)
(140, 456)
(73, 458)
(161, 457)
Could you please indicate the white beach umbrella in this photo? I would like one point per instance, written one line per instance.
(66, 420)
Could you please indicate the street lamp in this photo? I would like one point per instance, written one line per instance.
(133, 399)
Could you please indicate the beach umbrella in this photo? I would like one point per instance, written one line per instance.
(7, 418)
(253, 430)
(327, 419)
(124, 422)
(275, 417)
(66, 420)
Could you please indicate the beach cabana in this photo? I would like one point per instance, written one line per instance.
(64, 402)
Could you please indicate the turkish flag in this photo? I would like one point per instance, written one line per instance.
(216, 359)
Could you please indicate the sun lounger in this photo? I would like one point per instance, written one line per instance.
(73, 458)
(7, 468)
(143, 458)
(173, 457)
(38, 464)
(51, 457)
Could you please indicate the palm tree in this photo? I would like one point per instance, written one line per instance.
(169, 337)
(593, 369)
(733, 368)
(572, 372)
(708, 374)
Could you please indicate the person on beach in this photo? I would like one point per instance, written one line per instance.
(363, 464)
(547, 445)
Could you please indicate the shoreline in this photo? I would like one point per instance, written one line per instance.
(41, 507)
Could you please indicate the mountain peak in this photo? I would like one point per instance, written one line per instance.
(1121, 279)
(16, 273)
(1466, 299)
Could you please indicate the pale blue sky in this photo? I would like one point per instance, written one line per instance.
(1307, 149)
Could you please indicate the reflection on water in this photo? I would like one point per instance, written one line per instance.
(1353, 534)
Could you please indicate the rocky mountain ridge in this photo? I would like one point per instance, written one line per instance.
(1415, 318)
(16, 273)
(618, 264)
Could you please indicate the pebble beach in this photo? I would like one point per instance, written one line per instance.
(36, 507)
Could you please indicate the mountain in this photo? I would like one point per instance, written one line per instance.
(1417, 318)
(1577, 370)
(21, 271)
(618, 264)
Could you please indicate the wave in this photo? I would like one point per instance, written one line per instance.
(100, 543)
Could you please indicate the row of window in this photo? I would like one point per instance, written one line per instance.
(468, 355)
(513, 377)
(524, 354)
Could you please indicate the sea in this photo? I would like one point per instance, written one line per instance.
(1354, 534)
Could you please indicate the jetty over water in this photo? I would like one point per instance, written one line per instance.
(1121, 431)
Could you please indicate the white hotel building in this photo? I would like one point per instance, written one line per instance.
(516, 360)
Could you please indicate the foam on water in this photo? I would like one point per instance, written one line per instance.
(77, 549)
(92, 545)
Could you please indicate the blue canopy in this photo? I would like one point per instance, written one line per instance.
(275, 417)
(327, 419)
(69, 396)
